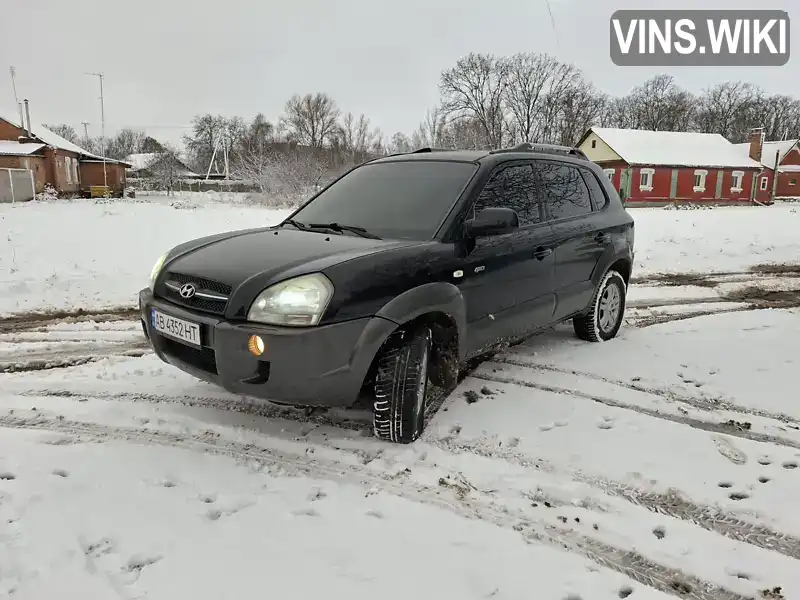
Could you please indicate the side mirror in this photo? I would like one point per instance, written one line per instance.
(492, 221)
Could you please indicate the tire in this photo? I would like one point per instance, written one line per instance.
(598, 325)
(401, 386)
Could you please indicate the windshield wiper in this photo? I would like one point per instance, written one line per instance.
(295, 223)
(338, 227)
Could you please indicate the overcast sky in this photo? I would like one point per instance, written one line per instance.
(167, 60)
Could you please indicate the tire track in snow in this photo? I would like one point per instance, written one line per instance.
(627, 562)
(235, 404)
(34, 320)
(670, 504)
(42, 361)
(640, 322)
(702, 403)
(694, 423)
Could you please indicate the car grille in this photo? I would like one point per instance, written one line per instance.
(199, 358)
(210, 296)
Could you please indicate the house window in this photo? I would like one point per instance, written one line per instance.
(594, 143)
(700, 180)
(646, 180)
(793, 182)
(738, 178)
(764, 183)
(75, 170)
(68, 169)
(609, 173)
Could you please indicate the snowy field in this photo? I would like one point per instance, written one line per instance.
(82, 254)
(663, 464)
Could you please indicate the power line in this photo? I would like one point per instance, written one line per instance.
(553, 22)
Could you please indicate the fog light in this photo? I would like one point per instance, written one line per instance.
(256, 345)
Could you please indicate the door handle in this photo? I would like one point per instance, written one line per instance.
(542, 253)
(602, 238)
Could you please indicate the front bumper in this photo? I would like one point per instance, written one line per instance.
(315, 366)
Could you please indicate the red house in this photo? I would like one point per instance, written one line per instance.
(785, 155)
(27, 146)
(652, 168)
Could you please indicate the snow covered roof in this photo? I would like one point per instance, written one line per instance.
(145, 160)
(41, 132)
(141, 160)
(8, 148)
(769, 149)
(673, 148)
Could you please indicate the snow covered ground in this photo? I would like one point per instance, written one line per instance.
(663, 464)
(83, 254)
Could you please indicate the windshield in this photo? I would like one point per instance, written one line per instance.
(400, 199)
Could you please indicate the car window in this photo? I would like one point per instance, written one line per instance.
(512, 187)
(595, 190)
(395, 199)
(566, 194)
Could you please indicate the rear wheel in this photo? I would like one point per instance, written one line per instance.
(401, 386)
(606, 312)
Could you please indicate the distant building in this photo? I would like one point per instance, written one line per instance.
(785, 154)
(662, 167)
(53, 160)
(148, 164)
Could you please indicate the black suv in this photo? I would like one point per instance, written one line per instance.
(393, 276)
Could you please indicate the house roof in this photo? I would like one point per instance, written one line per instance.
(41, 132)
(769, 149)
(141, 160)
(673, 148)
(8, 148)
(145, 160)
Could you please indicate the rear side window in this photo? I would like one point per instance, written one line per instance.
(513, 187)
(595, 189)
(566, 194)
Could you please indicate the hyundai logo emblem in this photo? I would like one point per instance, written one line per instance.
(187, 291)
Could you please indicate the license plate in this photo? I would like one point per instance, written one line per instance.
(185, 331)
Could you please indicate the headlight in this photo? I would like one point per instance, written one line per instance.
(299, 301)
(156, 270)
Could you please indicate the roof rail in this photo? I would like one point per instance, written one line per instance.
(543, 149)
(427, 149)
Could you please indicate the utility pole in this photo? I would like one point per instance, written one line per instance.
(102, 128)
(85, 129)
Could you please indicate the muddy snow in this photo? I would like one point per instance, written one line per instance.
(665, 463)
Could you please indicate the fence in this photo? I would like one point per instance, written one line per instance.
(193, 185)
(16, 185)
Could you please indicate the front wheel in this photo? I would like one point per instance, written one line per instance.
(606, 310)
(401, 386)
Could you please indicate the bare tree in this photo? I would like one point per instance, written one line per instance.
(166, 168)
(475, 89)
(428, 134)
(660, 105)
(65, 131)
(730, 109)
(528, 77)
(210, 132)
(125, 143)
(400, 143)
(780, 117)
(284, 176)
(356, 136)
(311, 120)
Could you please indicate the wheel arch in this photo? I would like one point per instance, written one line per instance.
(439, 306)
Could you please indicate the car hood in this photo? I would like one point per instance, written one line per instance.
(262, 256)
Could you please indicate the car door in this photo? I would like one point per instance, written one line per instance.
(579, 240)
(507, 280)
